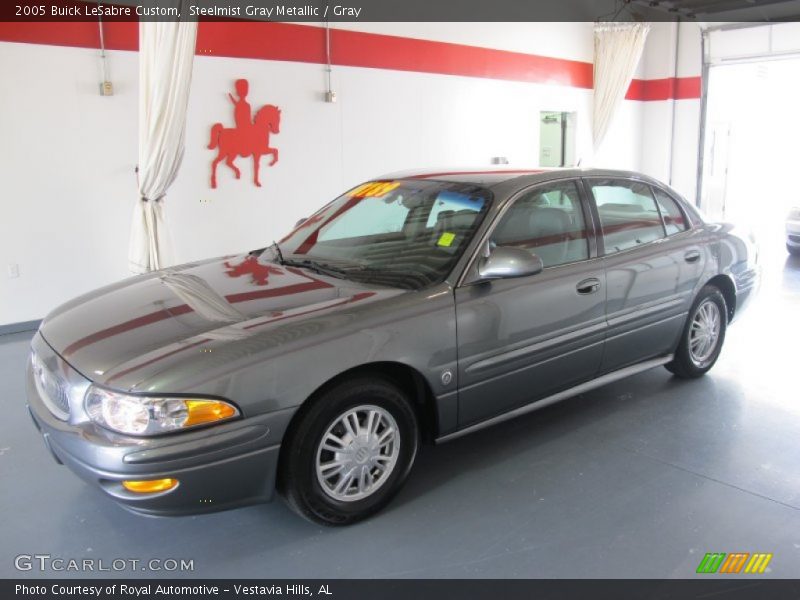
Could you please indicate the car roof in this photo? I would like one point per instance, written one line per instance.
(493, 176)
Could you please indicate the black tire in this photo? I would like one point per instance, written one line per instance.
(685, 365)
(298, 482)
(793, 250)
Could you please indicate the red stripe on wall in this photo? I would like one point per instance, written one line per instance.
(678, 88)
(304, 43)
(79, 34)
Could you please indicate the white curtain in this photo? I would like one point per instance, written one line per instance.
(617, 50)
(166, 52)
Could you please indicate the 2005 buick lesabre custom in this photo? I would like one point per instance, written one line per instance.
(421, 306)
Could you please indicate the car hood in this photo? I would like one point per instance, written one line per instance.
(119, 334)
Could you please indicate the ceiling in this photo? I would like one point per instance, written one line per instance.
(724, 10)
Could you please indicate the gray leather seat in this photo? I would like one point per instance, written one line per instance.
(550, 229)
(544, 230)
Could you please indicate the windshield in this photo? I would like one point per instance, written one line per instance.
(406, 233)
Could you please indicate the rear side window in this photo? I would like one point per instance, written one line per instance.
(548, 222)
(628, 213)
(674, 219)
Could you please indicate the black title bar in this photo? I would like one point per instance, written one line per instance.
(352, 10)
(720, 588)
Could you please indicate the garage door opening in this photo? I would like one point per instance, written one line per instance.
(751, 130)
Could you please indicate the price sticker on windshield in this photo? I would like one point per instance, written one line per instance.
(374, 189)
(446, 239)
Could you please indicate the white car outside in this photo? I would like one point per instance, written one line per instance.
(793, 231)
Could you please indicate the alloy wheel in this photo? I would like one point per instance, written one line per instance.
(357, 453)
(704, 332)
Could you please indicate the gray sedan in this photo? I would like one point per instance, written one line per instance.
(414, 308)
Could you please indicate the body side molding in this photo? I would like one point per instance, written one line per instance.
(563, 395)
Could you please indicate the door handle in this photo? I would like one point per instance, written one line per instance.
(588, 286)
(692, 256)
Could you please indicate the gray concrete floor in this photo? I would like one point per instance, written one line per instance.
(637, 479)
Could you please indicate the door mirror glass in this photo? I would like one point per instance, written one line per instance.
(508, 261)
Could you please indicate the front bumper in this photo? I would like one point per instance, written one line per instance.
(225, 466)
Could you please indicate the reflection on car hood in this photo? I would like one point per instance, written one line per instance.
(119, 334)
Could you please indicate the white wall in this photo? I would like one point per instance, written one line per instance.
(69, 184)
(671, 160)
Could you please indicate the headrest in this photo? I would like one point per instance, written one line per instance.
(546, 220)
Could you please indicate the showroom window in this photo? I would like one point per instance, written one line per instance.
(674, 219)
(628, 214)
(548, 222)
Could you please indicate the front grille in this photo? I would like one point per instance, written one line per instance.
(51, 387)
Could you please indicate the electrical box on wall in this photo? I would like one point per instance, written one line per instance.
(106, 88)
(330, 96)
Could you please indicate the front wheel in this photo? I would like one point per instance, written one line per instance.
(793, 250)
(349, 452)
(703, 335)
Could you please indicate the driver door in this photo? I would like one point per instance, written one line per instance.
(521, 339)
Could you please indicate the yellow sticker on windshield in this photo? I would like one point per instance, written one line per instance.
(446, 239)
(374, 189)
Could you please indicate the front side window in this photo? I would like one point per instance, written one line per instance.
(628, 213)
(547, 221)
(406, 233)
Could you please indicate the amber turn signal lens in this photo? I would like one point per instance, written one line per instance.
(150, 486)
(207, 411)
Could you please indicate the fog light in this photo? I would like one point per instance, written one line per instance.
(150, 486)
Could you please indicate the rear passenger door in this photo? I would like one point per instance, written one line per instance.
(651, 265)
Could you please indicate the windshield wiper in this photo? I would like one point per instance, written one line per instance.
(317, 267)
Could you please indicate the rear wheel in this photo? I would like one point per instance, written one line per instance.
(703, 335)
(349, 453)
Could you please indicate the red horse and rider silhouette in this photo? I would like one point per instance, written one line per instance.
(250, 137)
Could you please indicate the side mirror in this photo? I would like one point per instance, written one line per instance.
(507, 261)
(300, 222)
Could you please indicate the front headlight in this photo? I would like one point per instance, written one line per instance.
(153, 415)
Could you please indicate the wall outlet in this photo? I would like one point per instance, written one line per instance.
(13, 270)
(106, 88)
(330, 96)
